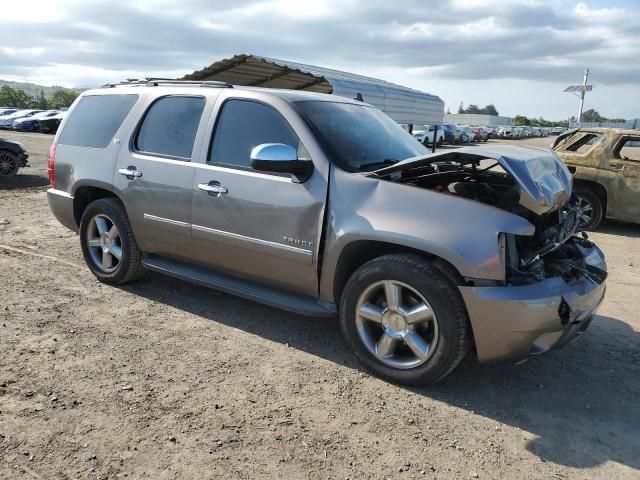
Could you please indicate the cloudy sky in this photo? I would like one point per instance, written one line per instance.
(516, 54)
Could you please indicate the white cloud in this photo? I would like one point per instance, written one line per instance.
(518, 56)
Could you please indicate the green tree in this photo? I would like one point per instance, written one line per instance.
(487, 110)
(592, 115)
(63, 98)
(490, 110)
(520, 120)
(11, 97)
(40, 101)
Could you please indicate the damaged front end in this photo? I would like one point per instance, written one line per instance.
(554, 278)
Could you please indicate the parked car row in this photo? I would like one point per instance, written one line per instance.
(525, 131)
(456, 134)
(451, 134)
(30, 120)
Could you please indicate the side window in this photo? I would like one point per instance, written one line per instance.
(584, 143)
(169, 127)
(96, 119)
(629, 149)
(243, 125)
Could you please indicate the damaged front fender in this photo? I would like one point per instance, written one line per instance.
(461, 231)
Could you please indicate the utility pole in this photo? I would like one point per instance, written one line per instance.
(584, 89)
(580, 91)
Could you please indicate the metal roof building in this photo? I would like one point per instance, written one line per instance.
(404, 105)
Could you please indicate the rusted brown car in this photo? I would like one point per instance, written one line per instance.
(605, 164)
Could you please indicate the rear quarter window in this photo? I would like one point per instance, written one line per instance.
(96, 119)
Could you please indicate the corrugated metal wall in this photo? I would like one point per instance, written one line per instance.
(402, 106)
(633, 124)
(476, 119)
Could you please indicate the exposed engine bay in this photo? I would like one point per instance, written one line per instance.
(553, 250)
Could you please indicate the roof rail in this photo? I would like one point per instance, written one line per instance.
(156, 81)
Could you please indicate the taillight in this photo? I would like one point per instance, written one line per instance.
(51, 165)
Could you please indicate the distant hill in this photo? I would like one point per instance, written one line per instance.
(32, 89)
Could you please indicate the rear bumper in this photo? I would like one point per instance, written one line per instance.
(61, 205)
(518, 321)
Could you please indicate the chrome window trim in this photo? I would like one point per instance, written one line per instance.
(248, 173)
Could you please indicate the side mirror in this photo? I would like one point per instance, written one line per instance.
(281, 158)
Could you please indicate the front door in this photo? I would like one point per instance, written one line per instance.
(155, 174)
(260, 226)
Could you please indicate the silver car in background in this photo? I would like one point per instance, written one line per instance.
(323, 206)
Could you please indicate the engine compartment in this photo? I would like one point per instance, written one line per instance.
(553, 250)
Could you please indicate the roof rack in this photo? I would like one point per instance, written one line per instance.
(156, 81)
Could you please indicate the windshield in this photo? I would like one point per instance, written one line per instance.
(359, 137)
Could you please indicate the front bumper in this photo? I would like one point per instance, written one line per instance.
(61, 205)
(518, 321)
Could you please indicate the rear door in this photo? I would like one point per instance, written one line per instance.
(624, 202)
(154, 173)
(262, 226)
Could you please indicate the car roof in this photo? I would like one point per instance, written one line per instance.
(196, 88)
(623, 131)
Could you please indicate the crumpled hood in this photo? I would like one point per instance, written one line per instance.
(543, 179)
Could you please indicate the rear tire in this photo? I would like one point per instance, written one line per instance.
(9, 163)
(416, 340)
(108, 245)
(591, 205)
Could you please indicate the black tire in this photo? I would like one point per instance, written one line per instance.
(9, 163)
(129, 266)
(589, 200)
(445, 300)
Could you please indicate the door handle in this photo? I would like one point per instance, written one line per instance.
(130, 172)
(212, 188)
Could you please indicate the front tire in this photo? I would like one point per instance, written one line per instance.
(108, 245)
(592, 209)
(404, 320)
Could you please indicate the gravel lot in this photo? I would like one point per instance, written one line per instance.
(163, 379)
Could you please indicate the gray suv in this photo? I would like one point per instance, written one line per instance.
(323, 206)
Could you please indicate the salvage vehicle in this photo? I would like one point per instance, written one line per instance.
(6, 121)
(323, 205)
(479, 134)
(505, 132)
(12, 157)
(32, 123)
(426, 136)
(605, 164)
(450, 135)
(50, 124)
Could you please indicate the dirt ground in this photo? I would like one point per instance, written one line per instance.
(162, 379)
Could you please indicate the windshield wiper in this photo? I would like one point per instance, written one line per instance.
(382, 163)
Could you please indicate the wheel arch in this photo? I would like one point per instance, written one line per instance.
(358, 252)
(597, 188)
(84, 194)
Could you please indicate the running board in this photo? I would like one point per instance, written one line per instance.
(296, 303)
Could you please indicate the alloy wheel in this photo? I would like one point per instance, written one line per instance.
(396, 324)
(585, 210)
(104, 244)
(8, 164)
